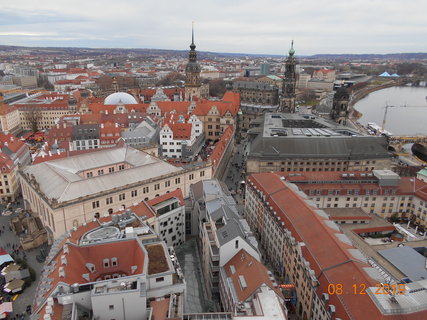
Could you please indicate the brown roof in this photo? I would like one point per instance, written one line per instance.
(157, 262)
(328, 256)
(174, 194)
(160, 309)
(220, 147)
(254, 274)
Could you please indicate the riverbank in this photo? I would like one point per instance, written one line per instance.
(355, 115)
(369, 89)
(407, 113)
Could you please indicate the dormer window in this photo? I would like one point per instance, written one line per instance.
(114, 262)
(106, 263)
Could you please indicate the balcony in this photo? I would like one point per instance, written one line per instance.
(214, 252)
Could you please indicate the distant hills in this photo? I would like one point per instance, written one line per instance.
(74, 51)
(368, 56)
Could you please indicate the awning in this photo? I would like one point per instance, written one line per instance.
(14, 286)
(6, 307)
(5, 258)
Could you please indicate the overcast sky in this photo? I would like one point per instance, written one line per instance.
(243, 26)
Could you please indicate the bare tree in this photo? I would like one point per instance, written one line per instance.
(172, 78)
(33, 116)
(217, 87)
(308, 95)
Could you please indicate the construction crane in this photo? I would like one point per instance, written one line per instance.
(389, 106)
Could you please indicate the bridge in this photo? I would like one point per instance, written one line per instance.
(396, 143)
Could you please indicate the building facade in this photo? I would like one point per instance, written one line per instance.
(222, 233)
(255, 92)
(311, 254)
(89, 273)
(180, 137)
(85, 136)
(291, 142)
(99, 182)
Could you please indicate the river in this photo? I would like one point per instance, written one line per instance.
(400, 120)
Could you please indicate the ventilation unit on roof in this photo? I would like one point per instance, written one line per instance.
(331, 309)
(50, 301)
(61, 272)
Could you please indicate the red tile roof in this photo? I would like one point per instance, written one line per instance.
(5, 109)
(127, 252)
(160, 309)
(174, 194)
(221, 146)
(52, 156)
(90, 118)
(60, 132)
(181, 131)
(180, 107)
(99, 107)
(254, 273)
(327, 255)
(11, 142)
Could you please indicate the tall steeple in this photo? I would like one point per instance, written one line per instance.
(287, 99)
(192, 45)
(192, 72)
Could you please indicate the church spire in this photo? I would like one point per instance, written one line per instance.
(192, 45)
(192, 72)
(291, 50)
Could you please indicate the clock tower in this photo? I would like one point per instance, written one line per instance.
(287, 99)
(192, 73)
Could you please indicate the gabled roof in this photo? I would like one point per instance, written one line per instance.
(181, 131)
(174, 194)
(6, 164)
(11, 142)
(328, 255)
(254, 274)
(204, 106)
(128, 253)
(181, 107)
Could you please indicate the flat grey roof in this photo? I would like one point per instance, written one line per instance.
(408, 261)
(284, 136)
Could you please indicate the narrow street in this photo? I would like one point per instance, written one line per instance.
(8, 240)
(189, 259)
(236, 174)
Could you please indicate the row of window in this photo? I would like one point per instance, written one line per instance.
(134, 193)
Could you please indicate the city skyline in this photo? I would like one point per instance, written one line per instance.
(323, 27)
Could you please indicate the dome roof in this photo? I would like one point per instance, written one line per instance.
(120, 98)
